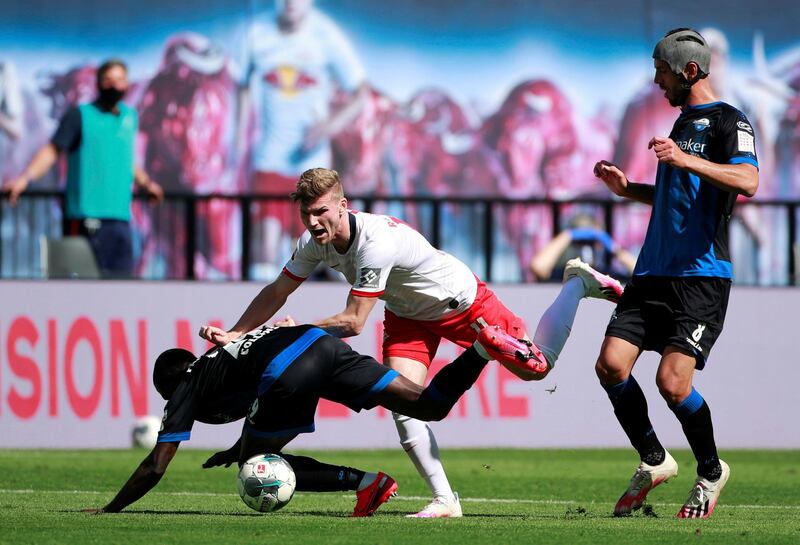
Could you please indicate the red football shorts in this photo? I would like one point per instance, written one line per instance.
(418, 339)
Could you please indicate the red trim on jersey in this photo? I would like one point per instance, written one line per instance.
(359, 293)
(292, 276)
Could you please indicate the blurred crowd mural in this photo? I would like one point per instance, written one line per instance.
(511, 101)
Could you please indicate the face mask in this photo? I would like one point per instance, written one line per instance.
(110, 96)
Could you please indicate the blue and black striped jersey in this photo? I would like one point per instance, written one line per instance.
(688, 230)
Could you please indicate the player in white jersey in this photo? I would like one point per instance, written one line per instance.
(389, 260)
(429, 295)
(292, 62)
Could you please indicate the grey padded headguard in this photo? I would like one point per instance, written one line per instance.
(682, 46)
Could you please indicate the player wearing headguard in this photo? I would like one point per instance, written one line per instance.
(676, 301)
(429, 295)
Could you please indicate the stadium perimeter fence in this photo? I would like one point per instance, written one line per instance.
(172, 241)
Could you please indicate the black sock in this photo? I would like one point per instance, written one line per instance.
(456, 377)
(695, 418)
(630, 407)
(314, 476)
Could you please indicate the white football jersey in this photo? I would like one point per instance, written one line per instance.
(390, 260)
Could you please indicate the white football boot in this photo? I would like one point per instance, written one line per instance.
(440, 507)
(645, 479)
(703, 497)
(599, 286)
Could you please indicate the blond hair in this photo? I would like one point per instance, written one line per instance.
(316, 182)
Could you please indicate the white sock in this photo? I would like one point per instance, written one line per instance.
(555, 324)
(417, 439)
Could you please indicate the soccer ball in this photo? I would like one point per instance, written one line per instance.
(266, 482)
(145, 432)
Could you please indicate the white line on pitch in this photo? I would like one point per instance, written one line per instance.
(573, 502)
(396, 498)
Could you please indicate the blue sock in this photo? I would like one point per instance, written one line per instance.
(630, 407)
(695, 417)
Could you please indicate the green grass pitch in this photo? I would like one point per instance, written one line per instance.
(508, 496)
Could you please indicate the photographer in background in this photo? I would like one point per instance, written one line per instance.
(587, 240)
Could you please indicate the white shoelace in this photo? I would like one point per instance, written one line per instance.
(697, 496)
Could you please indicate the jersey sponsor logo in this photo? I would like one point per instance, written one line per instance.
(691, 146)
(746, 142)
(241, 346)
(701, 124)
(744, 126)
(253, 337)
(369, 278)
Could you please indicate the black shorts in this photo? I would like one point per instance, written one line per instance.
(328, 369)
(656, 312)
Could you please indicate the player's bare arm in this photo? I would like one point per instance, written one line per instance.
(619, 184)
(143, 479)
(268, 301)
(351, 320)
(741, 178)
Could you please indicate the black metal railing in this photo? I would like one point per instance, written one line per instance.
(176, 234)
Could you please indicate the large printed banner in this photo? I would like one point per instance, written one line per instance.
(404, 98)
(76, 364)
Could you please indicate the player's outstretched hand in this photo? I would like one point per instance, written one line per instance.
(612, 176)
(286, 322)
(216, 335)
(225, 457)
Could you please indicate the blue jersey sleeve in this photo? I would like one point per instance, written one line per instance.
(179, 414)
(739, 139)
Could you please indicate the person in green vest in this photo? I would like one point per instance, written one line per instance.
(98, 139)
